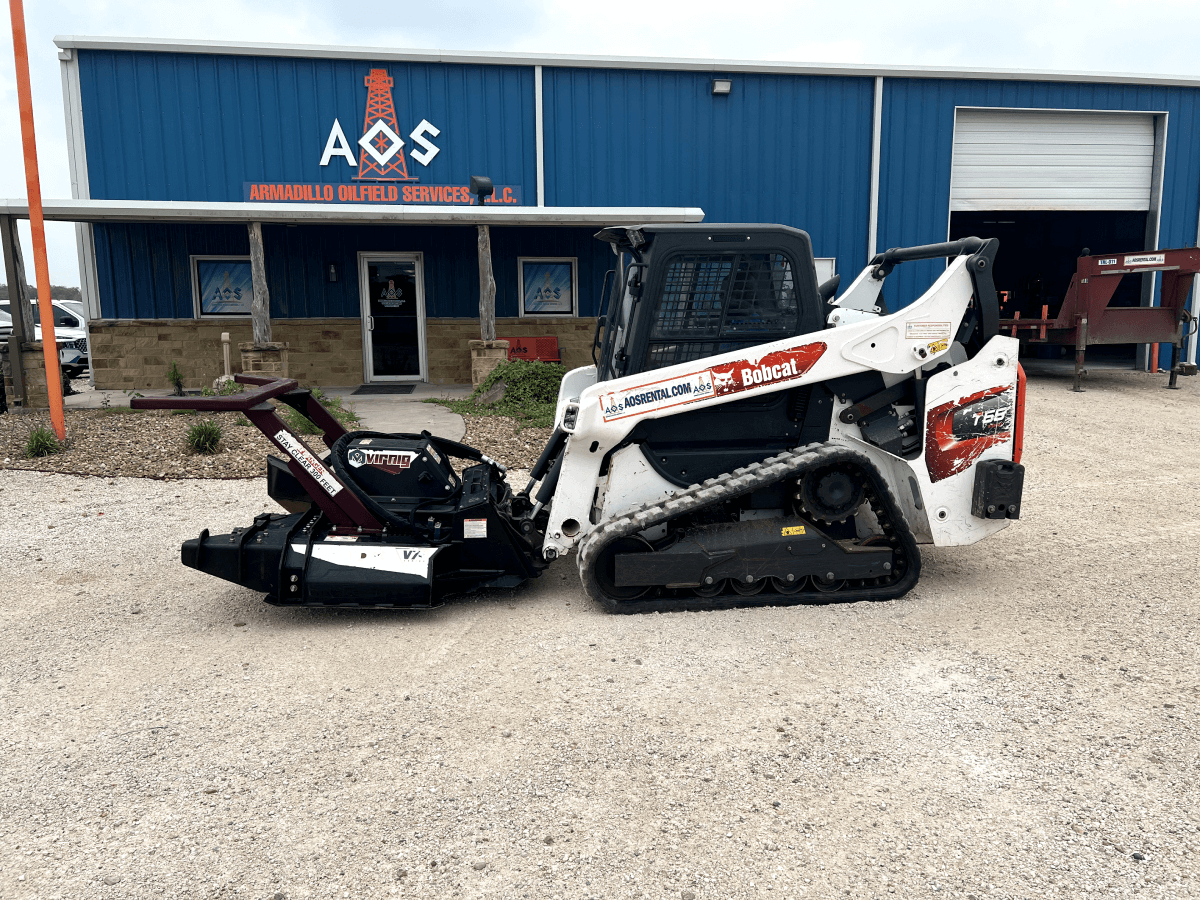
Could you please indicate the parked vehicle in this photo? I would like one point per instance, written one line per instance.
(69, 331)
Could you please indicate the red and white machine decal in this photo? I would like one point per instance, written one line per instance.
(959, 431)
(392, 461)
(777, 367)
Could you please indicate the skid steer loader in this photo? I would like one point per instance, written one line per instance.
(743, 438)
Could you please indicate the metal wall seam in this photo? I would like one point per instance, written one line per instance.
(539, 135)
(85, 246)
(876, 139)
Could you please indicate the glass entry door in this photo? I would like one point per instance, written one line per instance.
(393, 307)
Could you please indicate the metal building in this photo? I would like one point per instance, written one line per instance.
(357, 161)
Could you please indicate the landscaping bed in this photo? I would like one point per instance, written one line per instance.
(137, 443)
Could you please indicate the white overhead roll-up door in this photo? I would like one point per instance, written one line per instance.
(1007, 159)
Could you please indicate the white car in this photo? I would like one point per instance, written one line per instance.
(69, 331)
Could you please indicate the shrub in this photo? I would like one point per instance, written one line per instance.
(530, 393)
(176, 378)
(42, 442)
(203, 437)
(300, 424)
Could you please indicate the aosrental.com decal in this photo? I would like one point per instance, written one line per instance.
(777, 367)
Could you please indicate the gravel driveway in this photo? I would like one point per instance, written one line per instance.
(1023, 725)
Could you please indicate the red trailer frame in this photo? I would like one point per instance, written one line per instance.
(1086, 318)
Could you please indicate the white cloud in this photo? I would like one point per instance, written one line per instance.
(1097, 35)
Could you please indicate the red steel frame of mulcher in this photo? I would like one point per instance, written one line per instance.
(343, 509)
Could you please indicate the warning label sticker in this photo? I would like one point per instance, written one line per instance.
(927, 331)
(792, 531)
(1146, 259)
(474, 528)
(311, 464)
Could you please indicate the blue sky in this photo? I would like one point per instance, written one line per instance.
(1098, 35)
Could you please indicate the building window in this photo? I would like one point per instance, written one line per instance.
(548, 286)
(222, 286)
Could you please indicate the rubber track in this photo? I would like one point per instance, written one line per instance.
(742, 481)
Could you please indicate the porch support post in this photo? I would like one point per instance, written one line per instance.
(260, 308)
(487, 286)
(18, 304)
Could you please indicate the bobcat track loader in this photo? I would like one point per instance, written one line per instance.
(743, 438)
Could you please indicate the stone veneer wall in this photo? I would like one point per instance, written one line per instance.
(134, 353)
(127, 354)
(450, 358)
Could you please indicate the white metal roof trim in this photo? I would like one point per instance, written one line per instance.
(237, 48)
(197, 211)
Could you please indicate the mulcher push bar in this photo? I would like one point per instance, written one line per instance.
(345, 510)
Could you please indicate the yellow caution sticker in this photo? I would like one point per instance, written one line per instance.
(938, 346)
(792, 531)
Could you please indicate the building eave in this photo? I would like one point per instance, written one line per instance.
(725, 66)
(196, 212)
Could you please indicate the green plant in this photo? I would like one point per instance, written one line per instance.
(231, 387)
(530, 393)
(42, 442)
(204, 436)
(176, 378)
(346, 416)
(243, 421)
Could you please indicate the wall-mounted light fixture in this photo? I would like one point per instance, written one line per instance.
(331, 272)
(481, 187)
(721, 86)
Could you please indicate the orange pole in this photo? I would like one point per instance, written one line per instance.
(33, 185)
(1154, 359)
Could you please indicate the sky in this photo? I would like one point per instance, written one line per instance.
(1141, 36)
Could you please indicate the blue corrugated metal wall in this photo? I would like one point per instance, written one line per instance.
(780, 148)
(144, 270)
(164, 126)
(918, 135)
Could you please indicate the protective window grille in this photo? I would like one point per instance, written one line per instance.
(712, 303)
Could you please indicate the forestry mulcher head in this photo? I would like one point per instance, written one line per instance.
(743, 438)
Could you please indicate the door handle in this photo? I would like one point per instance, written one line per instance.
(370, 323)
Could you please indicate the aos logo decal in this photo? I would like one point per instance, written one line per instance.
(379, 161)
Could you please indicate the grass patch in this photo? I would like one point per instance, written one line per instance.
(530, 393)
(42, 442)
(346, 416)
(204, 437)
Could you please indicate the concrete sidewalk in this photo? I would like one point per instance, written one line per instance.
(379, 412)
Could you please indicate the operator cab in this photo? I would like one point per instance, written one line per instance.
(695, 291)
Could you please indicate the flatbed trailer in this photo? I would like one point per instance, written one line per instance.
(1085, 316)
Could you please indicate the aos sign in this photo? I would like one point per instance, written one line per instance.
(381, 160)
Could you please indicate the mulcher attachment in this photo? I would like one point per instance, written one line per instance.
(384, 520)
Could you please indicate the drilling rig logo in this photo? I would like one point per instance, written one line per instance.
(381, 157)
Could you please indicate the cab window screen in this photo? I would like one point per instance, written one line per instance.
(715, 302)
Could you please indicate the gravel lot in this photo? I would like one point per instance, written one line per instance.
(1023, 725)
